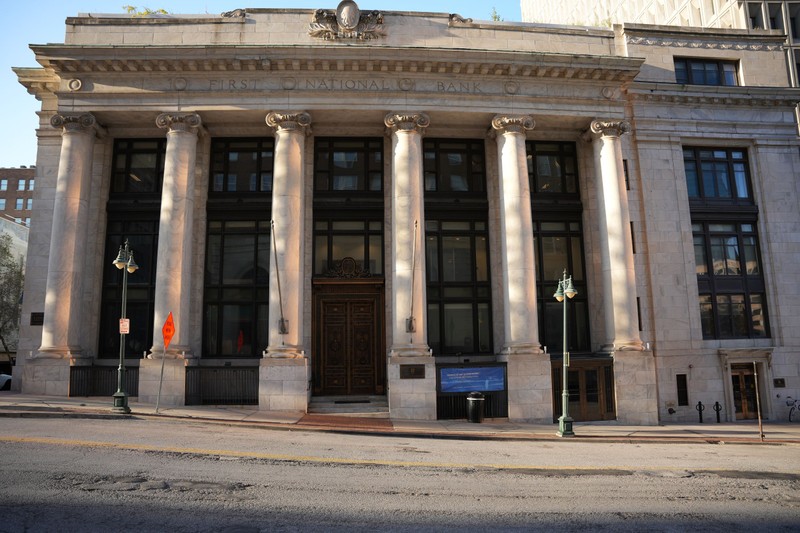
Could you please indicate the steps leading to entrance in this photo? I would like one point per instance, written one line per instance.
(363, 406)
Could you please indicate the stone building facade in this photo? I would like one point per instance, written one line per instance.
(350, 204)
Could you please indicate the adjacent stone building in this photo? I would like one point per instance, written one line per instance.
(350, 205)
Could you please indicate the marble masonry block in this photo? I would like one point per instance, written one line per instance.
(173, 387)
(283, 384)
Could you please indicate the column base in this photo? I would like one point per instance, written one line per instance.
(635, 387)
(284, 352)
(284, 383)
(410, 350)
(174, 352)
(530, 388)
(412, 398)
(173, 387)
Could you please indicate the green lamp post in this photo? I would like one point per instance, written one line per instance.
(565, 288)
(124, 262)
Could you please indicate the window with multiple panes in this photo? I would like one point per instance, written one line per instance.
(2, 204)
(559, 246)
(3, 185)
(457, 247)
(335, 240)
(348, 165)
(134, 206)
(697, 71)
(19, 205)
(236, 297)
(21, 185)
(241, 165)
(348, 206)
(238, 248)
(558, 243)
(682, 386)
(29, 204)
(727, 258)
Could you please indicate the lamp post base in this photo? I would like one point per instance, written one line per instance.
(565, 427)
(120, 403)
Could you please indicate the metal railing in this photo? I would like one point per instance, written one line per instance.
(101, 380)
(222, 386)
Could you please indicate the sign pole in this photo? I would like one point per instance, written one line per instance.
(167, 331)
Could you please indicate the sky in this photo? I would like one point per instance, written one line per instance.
(42, 22)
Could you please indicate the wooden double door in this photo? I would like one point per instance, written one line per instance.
(348, 340)
(591, 390)
(743, 381)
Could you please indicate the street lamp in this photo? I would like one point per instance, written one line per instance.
(565, 288)
(124, 262)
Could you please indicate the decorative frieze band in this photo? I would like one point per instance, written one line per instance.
(712, 45)
(407, 121)
(512, 124)
(189, 122)
(289, 121)
(614, 128)
(74, 122)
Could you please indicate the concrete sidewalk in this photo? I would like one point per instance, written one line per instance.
(24, 405)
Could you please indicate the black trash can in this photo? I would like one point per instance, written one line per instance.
(475, 407)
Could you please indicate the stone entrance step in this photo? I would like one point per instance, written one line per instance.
(363, 406)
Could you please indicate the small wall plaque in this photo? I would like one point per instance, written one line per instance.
(412, 371)
(779, 383)
(37, 319)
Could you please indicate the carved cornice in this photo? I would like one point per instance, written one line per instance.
(610, 128)
(76, 123)
(455, 18)
(185, 122)
(289, 121)
(503, 124)
(705, 44)
(407, 121)
(236, 13)
(347, 22)
(751, 100)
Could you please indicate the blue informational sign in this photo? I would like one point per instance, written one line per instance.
(475, 378)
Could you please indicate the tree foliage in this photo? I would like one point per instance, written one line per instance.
(12, 277)
(496, 16)
(144, 12)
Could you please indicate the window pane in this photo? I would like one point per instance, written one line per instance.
(758, 312)
(434, 334)
(723, 181)
(432, 258)
(554, 257)
(348, 246)
(751, 256)
(725, 316)
(707, 316)
(732, 256)
(320, 254)
(210, 330)
(262, 265)
(375, 255)
(213, 256)
(481, 259)
(548, 174)
(700, 261)
(691, 179)
(237, 329)
(237, 260)
(458, 327)
(577, 258)
(718, 255)
(457, 259)
(484, 323)
(741, 181)
(739, 316)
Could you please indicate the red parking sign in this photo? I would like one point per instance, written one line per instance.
(124, 326)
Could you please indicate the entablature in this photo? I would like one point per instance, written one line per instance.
(70, 60)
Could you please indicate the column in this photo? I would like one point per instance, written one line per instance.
(285, 373)
(409, 398)
(174, 263)
(616, 247)
(63, 308)
(634, 369)
(528, 367)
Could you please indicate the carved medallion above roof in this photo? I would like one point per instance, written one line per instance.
(346, 22)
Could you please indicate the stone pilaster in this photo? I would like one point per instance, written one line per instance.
(284, 375)
(529, 382)
(415, 398)
(174, 264)
(65, 270)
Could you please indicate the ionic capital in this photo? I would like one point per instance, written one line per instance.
(289, 121)
(181, 122)
(610, 128)
(407, 121)
(502, 124)
(75, 122)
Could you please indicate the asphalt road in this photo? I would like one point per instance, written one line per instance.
(151, 475)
